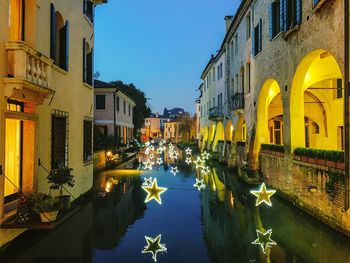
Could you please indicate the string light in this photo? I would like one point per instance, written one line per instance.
(154, 246)
(147, 181)
(205, 155)
(263, 195)
(188, 160)
(264, 240)
(148, 165)
(188, 151)
(154, 192)
(159, 161)
(174, 170)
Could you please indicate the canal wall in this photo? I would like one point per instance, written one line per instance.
(99, 159)
(316, 189)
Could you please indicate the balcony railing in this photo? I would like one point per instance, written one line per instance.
(237, 101)
(216, 113)
(26, 63)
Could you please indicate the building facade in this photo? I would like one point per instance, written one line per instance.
(172, 131)
(45, 95)
(284, 68)
(114, 111)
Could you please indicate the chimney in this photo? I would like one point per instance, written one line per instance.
(228, 21)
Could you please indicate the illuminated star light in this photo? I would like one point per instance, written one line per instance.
(148, 165)
(205, 155)
(147, 144)
(147, 181)
(160, 150)
(199, 184)
(174, 170)
(188, 160)
(151, 148)
(159, 161)
(176, 154)
(151, 156)
(154, 192)
(263, 195)
(205, 170)
(264, 240)
(152, 141)
(154, 246)
(198, 162)
(188, 151)
(147, 151)
(171, 155)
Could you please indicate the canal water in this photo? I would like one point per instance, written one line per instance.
(216, 224)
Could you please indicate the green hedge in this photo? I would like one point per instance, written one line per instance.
(272, 147)
(330, 155)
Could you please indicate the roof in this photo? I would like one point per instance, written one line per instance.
(208, 65)
(98, 84)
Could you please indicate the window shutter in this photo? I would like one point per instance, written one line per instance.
(52, 32)
(316, 2)
(260, 35)
(84, 6)
(65, 47)
(253, 42)
(84, 59)
(298, 8)
(282, 15)
(271, 22)
(89, 62)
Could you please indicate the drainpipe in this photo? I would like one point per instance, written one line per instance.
(346, 106)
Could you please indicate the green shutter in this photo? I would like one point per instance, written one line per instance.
(298, 8)
(52, 32)
(271, 21)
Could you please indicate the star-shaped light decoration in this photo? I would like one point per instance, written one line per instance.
(205, 170)
(263, 195)
(199, 162)
(151, 148)
(148, 165)
(154, 192)
(160, 150)
(154, 246)
(152, 141)
(159, 161)
(171, 147)
(147, 181)
(171, 155)
(188, 151)
(151, 156)
(176, 154)
(147, 151)
(147, 144)
(188, 160)
(174, 170)
(205, 155)
(199, 184)
(264, 240)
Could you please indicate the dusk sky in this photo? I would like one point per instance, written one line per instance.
(162, 46)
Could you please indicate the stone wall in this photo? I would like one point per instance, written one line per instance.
(315, 189)
(99, 159)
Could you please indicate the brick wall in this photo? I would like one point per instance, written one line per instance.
(295, 181)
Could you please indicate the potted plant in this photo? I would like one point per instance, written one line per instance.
(46, 206)
(58, 178)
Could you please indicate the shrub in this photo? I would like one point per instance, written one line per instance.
(330, 155)
(273, 147)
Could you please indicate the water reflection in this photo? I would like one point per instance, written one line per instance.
(220, 223)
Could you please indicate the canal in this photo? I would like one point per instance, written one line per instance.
(216, 224)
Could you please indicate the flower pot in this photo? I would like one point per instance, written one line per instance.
(321, 162)
(340, 165)
(304, 159)
(330, 164)
(65, 202)
(47, 217)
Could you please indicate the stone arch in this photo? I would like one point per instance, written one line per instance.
(219, 134)
(316, 79)
(229, 131)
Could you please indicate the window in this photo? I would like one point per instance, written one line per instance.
(236, 45)
(257, 39)
(88, 54)
(248, 30)
(59, 139)
(117, 102)
(248, 77)
(214, 102)
(339, 88)
(274, 17)
(13, 105)
(59, 39)
(87, 146)
(100, 101)
(291, 13)
(124, 107)
(89, 10)
(129, 110)
(232, 50)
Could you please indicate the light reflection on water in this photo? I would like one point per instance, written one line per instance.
(217, 224)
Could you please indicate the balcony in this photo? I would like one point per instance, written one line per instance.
(29, 73)
(237, 101)
(216, 114)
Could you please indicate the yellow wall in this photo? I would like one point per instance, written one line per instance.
(219, 134)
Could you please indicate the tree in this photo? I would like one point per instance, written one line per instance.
(187, 125)
(142, 109)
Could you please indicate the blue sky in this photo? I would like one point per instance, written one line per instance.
(161, 46)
